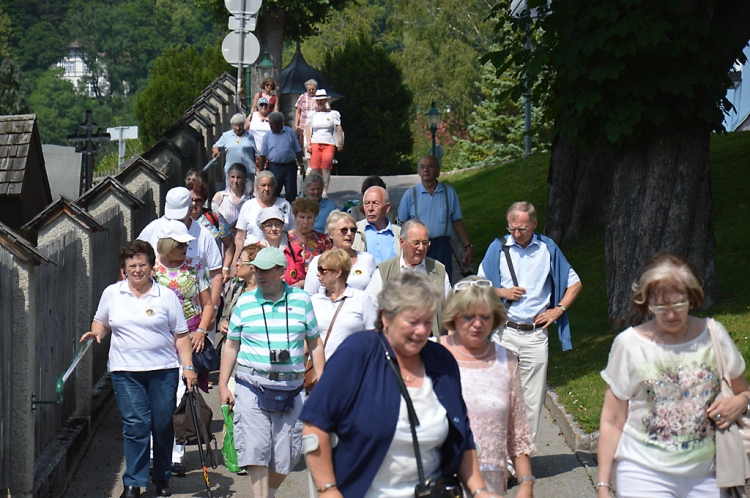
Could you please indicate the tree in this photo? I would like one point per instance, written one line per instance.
(60, 108)
(375, 112)
(11, 101)
(497, 128)
(635, 88)
(177, 79)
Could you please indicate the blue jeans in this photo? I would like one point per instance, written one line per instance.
(147, 401)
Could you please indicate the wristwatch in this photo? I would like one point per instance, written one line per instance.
(562, 308)
(468, 246)
(188, 367)
(202, 331)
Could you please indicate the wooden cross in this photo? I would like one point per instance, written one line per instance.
(87, 142)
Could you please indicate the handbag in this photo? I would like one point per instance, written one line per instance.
(310, 378)
(732, 443)
(207, 360)
(440, 487)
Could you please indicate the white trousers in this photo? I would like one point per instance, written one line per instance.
(637, 481)
(533, 355)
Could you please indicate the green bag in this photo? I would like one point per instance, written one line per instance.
(227, 448)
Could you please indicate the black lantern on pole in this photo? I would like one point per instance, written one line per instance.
(433, 121)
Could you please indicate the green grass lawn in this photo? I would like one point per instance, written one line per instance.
(485, 195)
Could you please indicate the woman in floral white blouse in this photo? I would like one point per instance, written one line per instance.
(188, 279)
(661, 407)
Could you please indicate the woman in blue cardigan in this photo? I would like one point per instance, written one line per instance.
(359, 399)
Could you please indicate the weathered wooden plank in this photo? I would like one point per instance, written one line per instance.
(6, 363)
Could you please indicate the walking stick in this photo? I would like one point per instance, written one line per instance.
(191, 402)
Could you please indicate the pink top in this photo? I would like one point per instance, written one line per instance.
(317, 243)
(496, 408)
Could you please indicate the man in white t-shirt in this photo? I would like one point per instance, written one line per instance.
(203, 248)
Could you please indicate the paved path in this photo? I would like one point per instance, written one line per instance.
(559, 472)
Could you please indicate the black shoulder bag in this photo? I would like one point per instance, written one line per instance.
(506, 251)
(441, 487)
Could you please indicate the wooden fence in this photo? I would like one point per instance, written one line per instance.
(6, 363)
(105, 271)
(56, 335)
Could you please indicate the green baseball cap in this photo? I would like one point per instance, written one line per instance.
(268, 257)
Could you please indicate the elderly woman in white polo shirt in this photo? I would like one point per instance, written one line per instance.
(267, 334)
(146, 322)
(341, 310)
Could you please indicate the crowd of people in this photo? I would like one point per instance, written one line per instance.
(425, 382)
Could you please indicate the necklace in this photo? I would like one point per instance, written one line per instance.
(410, 378)
(467, 355)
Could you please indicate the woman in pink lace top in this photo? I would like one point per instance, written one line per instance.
(496, 408)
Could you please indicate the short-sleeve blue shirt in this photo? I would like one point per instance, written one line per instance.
(281, 147)
(358, 398)
(327, 206)
(239, 149)
(432, 210)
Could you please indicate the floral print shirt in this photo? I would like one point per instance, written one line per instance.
(187, 281)
(223, 230)
(317, 243)
(668, 389)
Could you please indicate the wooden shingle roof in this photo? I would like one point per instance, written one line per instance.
(15, 141)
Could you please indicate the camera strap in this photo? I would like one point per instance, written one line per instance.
(413, 420)
(265, 322)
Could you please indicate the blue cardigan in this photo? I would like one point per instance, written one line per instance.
(358, 398)
(559, 269)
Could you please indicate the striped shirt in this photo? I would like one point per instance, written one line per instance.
(248, 326)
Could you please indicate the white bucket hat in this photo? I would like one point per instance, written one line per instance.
(175, 230)
(178, 203)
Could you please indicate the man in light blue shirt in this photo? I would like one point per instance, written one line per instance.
(436, 205)
(538, 285)
(280, 148)
(239, 146)
(375, 234)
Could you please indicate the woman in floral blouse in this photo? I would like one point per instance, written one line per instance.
(661, 408)
(496, 409)
(311, 241)
(188, 279)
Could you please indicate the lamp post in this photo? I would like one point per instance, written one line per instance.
(433, 121)
(265, 70)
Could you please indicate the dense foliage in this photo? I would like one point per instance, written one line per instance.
(375, 112)
(624, 68)
(177, 79)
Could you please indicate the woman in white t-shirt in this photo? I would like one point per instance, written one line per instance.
(248, 230)
(341, 229)
(340, 310)
(324, 136)
(661, 408)
(147, 324)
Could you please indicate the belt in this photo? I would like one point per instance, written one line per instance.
(271, 375)
(525, 327)
(290, 163)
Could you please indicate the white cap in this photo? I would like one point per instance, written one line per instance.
(175, 230)
(270, 213)
(178, 203)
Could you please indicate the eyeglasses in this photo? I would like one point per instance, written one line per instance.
(243, 263)
(345, 230)
(658, 309)
(273, 224)
(262, 105)
(519, 230)
(199, 200)
(181, 245)
(465, 284)
(323, 271)
(415, 245)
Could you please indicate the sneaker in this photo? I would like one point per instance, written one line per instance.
(178, 470)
